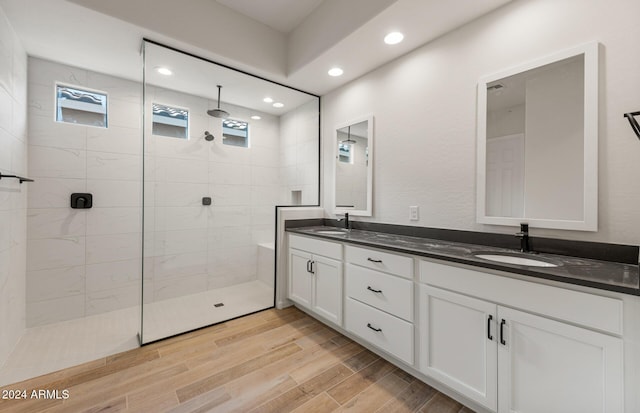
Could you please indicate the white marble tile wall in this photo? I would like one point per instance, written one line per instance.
(298, 154)
(194, 247)
(82, 262)
(13, 196)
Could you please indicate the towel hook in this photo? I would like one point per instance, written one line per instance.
(633, 122)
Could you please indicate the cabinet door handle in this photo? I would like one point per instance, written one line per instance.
(489, 319)
(372, 260)
(312, 270)
(373, 328)
(502, 323)
(308, 265)
(374, 290)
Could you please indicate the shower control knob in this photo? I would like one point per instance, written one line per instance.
(81, 201)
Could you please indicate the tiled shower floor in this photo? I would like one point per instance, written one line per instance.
(52, 347)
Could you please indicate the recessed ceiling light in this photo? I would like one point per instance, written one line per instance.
(256, 117)
(267, 100)
(393, 38)
(164, 71)
(278, 105)
(335, 71)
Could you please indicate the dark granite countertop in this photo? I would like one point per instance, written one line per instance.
(605, 275)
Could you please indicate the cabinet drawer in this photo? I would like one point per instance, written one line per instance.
(385, 292)
(385, 331)
(381, 261)
(316, 246)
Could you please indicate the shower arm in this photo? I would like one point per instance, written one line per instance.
(633, 122)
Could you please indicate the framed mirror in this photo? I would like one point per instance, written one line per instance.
(353, 150)
(537, 143)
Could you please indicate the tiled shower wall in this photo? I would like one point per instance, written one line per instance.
(85, 262)
(299, 154)
(13, 195)
(190, 247)
(82, 262)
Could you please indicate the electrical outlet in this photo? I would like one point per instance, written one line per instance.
(413, 213)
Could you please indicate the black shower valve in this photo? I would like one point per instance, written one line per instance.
(81, 201)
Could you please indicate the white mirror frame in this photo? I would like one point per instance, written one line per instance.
(590, 201)
(367, 212)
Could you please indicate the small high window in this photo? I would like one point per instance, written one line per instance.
(235, 133)
(170, 121)
(83, 107)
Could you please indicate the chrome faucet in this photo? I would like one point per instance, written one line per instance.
(524, 237)
(346, 221)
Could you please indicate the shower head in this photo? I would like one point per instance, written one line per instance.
(218, 113)
(208, 137)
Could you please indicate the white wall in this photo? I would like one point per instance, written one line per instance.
(13, 196)
(504, 122)
(299, 154)
(424, 106)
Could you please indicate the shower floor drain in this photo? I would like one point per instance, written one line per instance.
(218, 305)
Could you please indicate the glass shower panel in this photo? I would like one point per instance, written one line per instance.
(211, 185)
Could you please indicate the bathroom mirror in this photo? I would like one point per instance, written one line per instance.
(353, 149)
(537, 153)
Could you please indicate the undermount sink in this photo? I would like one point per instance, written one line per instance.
(515, 259)
(332, 232)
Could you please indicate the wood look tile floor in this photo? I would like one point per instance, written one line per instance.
(273, 361)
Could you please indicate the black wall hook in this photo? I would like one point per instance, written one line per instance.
(633, 122)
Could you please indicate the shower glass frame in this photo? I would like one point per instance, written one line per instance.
(313, 199)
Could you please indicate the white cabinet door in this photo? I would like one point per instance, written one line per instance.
(549, 366)
(327, 294)
(458, 343)
(300, 277)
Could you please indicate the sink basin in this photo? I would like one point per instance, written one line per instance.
(515, 259)
(332, 232)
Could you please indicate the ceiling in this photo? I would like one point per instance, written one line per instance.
(293, 42)
(200, 78)
(271, 13)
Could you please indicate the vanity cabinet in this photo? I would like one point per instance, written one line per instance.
(512, 360)
(545, 365)
(379, 300)
(501, 341)
(458, 343)
(315, 276)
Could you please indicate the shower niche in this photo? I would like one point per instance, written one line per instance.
(209, 194)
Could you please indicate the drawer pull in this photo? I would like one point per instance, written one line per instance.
(373, 328)
(372, 260)
(374, 290)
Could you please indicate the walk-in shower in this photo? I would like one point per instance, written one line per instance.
(180, 232)
(203, 260)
